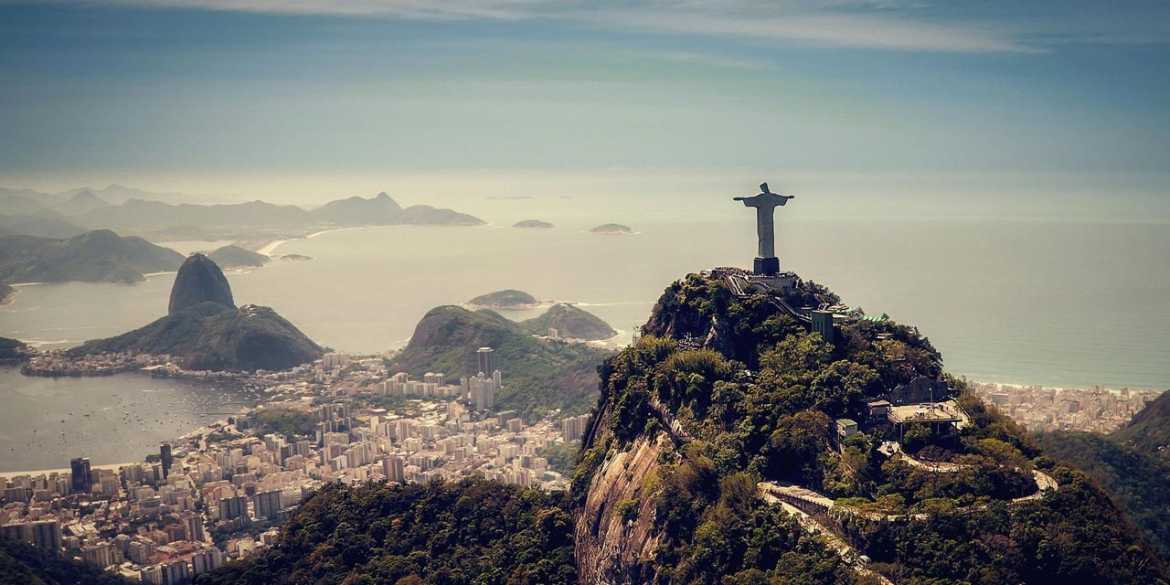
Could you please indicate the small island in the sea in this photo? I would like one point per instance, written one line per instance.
(532, 223)
(296, 258)
(505, 299)
(612, 229)
(236, 257)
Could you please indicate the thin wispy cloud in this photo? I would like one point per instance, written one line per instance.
(881, 24)
(829, 30)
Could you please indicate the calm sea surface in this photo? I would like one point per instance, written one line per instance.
(1028, 302)
(45, 422)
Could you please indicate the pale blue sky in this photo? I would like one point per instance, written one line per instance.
(307, 98)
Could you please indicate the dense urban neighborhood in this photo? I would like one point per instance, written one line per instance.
(220, 492)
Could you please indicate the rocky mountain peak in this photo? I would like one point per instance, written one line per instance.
(199, 280)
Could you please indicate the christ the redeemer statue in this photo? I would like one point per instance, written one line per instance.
(766, 203)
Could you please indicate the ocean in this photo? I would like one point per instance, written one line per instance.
(1053, 303)
(1034, 302)
(46, 422)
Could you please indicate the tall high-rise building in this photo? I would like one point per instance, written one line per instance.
(482, 391)
(486, 360)
(102, 554)
(171, 573)
(80, 475)
(234, 507)
(43, 534)
(206, 560)
(193, 524)
(573, 427)
(164, 453)
(268, 505)
(393, 469)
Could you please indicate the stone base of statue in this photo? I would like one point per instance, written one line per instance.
(766, 266)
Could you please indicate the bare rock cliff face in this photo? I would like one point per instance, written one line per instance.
(615, 536)
(199, 280)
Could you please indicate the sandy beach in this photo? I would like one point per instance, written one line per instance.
(270, 248)
(113, 466)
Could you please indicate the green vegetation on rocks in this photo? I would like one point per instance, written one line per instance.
(740, 392)
(1149, 430)
(235, 256)
(504, 299)
(473, 532)
(210, 336)
(205, 331)
(1132, 464)
(21, 564)
(539, 375)
(569, 321)
(287, 422)
(13, 349)
(97, 256)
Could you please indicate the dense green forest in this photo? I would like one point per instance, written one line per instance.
(539, 376)
(470, 532)
(757, 403)
(21, 564)
(1138, 481)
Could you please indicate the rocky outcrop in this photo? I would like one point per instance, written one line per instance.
(234, 256)
(505, 299)
(713, 433)
(615, 535)
(205, 331)
(212, 336)
(570, 322)
(199, 280)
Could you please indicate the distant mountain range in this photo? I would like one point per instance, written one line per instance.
(67, 214)
(97, 256)
(205, 330)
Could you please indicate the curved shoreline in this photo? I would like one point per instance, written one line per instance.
(35, 472)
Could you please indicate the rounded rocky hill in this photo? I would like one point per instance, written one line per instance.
(199, 280)
(505, 299)
(571, 322)
(733, 443)
(204, 330)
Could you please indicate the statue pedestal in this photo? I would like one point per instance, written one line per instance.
(766, 266)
